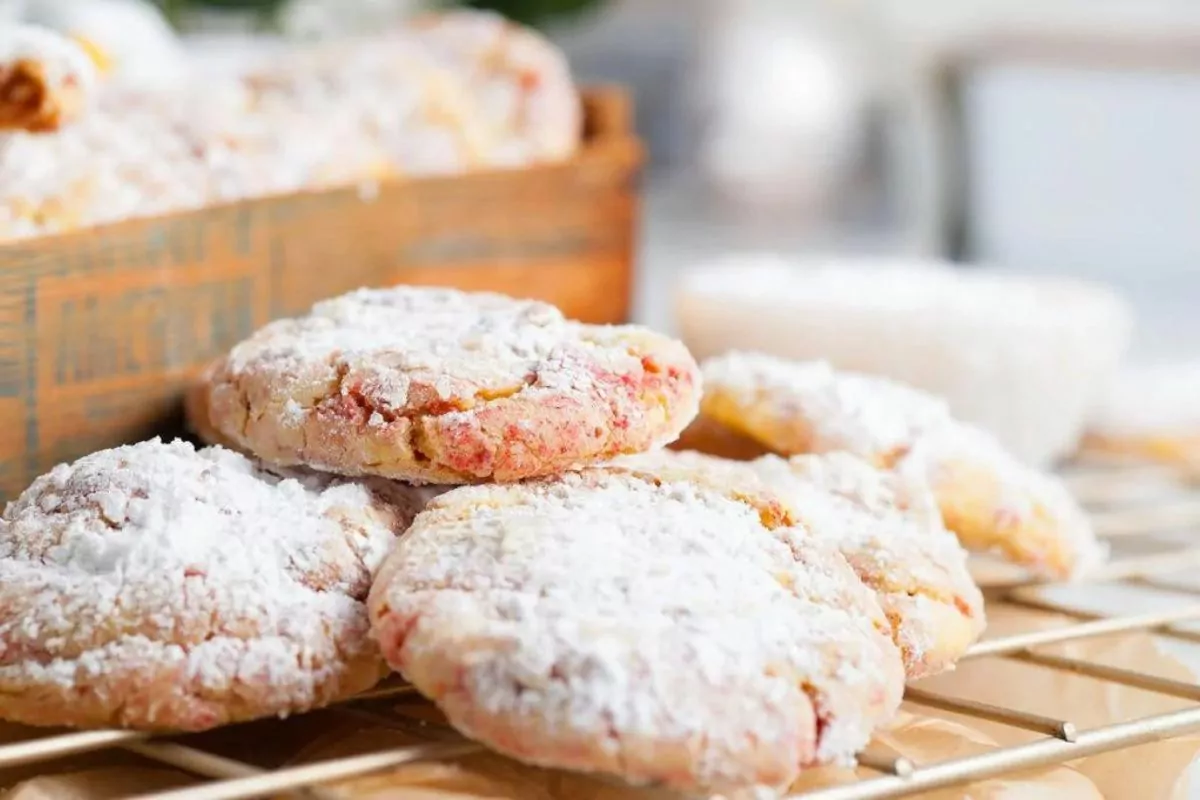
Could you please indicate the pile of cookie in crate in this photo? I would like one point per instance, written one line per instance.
(444, 94)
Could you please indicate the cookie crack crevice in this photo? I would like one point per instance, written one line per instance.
(350, 386)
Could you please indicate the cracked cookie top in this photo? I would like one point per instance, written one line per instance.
(157, 586)
(654, 629)
(441, 386)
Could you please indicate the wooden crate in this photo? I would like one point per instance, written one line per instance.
(101, 329)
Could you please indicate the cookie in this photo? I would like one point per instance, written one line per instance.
(162, 588)
(440, 386)
(407, 499)
(705, 435)
(987, 497)
(442, 94)
(524, 100)
(138, 153)
(196, 413)
(44, 79)
(653, 630)
(888, 528)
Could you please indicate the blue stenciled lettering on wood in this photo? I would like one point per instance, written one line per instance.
(10, 377)
(243, 231)
(459, 248)
(32, 438)
(150, 330)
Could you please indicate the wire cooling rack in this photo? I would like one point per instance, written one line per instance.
(1146, 507)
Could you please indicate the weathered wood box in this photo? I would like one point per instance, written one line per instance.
(101, 329)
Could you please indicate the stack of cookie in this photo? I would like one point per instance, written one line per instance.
(472, 491)
(447, 94)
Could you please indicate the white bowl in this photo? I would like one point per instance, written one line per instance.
(1024, 357)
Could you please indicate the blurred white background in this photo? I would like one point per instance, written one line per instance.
(802, 126)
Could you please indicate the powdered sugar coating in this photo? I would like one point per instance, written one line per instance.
(655, 630)
(888, 528)
(443, 94)
(441, 386)
(862, 414)
(986, 496)
(155, 586)
(45, 79)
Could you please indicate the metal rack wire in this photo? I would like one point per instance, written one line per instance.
(1129, 504)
